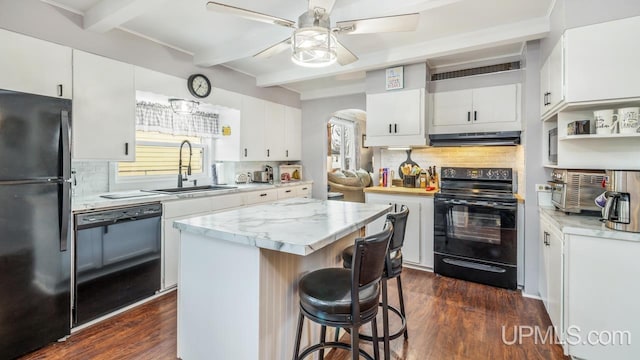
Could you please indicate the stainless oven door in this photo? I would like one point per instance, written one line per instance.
(476, 229)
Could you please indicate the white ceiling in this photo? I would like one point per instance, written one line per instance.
(449, 32)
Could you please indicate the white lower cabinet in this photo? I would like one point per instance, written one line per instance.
(418, 241)
(588, 287)
(551, 274)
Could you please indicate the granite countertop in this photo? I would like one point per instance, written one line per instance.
(93, 202)
(296, 226)
(398, 190)
(584, 225)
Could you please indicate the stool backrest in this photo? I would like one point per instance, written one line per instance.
(399, 221)
(369, 256)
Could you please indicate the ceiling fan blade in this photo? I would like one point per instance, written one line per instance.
(406, 22)
(327, 5)
(345, 56)
(248, 14)
(274, 49)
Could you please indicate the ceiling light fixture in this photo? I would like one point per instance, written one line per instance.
(182, 106)
(314, 44)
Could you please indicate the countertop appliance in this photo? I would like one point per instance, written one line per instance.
(622, 210)
(552, 146)
(35, 160)
(574, 191)
(261, 176)
(117, 261)
(475, 234)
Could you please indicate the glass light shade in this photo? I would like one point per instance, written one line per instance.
(181, 106)
(313, 47)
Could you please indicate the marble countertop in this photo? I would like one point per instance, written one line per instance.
(94, 202)
(297, 226)
(584, 225)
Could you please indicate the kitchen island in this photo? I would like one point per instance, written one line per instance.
(239, 270)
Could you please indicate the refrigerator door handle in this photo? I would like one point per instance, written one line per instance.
(65, 213)
(65, 197)
(65, 134)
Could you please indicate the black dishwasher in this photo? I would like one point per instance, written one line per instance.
(117, 259)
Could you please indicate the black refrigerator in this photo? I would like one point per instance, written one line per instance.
(35, 160)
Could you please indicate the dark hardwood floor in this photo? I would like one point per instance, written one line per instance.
(447, 318)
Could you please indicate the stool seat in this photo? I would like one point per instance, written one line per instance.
(394, 256)
(326, 294)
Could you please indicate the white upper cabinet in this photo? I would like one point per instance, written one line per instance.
(292, 133)
(266, 131)
(552, 79)
(252, 125)
(602, 61)
(396, 118)
(104, 105)
(34, 66)
(495, 108)
(274, 131)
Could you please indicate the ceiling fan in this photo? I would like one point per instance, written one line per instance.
(313, 42)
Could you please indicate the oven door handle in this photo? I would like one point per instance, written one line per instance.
(475, 266)
(493, 205)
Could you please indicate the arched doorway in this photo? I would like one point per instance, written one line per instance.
(349, 162)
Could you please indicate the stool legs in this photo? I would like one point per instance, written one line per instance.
(385, 321)
(323, 336)
(296, 349)
(355, 342)
(406, 333)
(374, 335)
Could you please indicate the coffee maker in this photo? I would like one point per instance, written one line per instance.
(269, 171)
(622, 208)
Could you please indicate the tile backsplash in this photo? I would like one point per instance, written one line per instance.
(91, 177)
(472, 156)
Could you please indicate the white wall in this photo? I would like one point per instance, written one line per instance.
(37, 19)
(534, 171)
(315, 115)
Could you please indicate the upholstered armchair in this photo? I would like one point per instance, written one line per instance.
(350, 183)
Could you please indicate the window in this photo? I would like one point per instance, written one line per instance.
(158, 154)
(342, 144)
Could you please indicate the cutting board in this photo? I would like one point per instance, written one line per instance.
(408, 161)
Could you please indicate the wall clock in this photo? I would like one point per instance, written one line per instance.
(199, 85)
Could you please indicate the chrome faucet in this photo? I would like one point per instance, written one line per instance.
(180, 177)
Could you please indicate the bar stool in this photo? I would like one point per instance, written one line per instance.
(393, 269)
(345, 298)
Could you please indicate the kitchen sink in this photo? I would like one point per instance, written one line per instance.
(193, 189)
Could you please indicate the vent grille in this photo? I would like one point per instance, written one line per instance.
(476, 71)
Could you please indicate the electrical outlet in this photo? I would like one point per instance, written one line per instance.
(543, 187)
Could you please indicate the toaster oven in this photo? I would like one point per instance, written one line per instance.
(574, 191)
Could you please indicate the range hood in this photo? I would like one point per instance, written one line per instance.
(502, 138)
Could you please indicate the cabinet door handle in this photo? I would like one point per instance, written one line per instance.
(395, 128)
(288, 191)
(475, 116)
(267, 152)
(126, 148)
(468, 115)
(549, 98)
(389, 128)
(245, 152)
(304, 188)
(287, 153)
(59, 89)
(263, 194)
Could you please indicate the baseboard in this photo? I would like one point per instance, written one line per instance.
(537, 297)
(417, 267)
